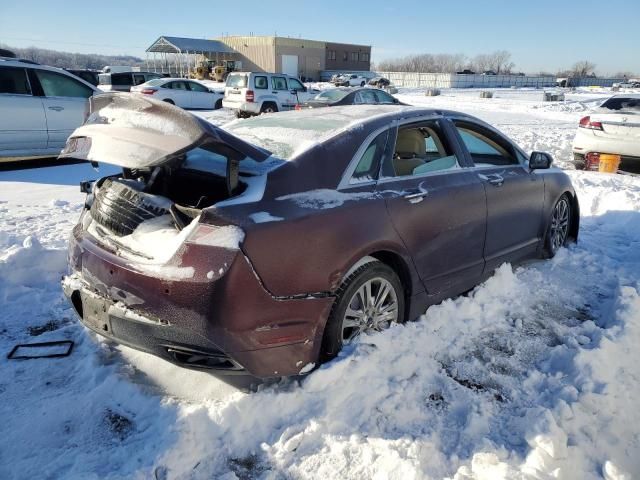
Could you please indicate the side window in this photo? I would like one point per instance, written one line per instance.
(485, 147)
(420, 148)
(138, 79)
(383, 97)
(279, 83)
(196, 87)
(14, 80)
(58, 85)
(369, 163)
(368, 96)
(294, 84)
(178, 86)
(261, 82)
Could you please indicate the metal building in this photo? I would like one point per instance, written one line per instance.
(178, 55)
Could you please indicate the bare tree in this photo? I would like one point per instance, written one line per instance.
(72, 60)
(499, 62)
(583, 68)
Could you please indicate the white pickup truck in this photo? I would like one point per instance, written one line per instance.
(350, 80)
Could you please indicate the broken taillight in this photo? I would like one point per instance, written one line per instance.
(585, 122)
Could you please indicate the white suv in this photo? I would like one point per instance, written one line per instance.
(39, 108)
(253, 93)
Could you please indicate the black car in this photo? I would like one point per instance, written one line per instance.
(379, 82)
(90, 76)
(351, 96)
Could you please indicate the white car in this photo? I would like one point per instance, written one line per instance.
(613, 128)
(39, 108)
(351, 80)
(253, 93)
(181, 92)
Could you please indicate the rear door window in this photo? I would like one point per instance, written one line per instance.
(196, 87)
(14, 81)
(420, 149)
(279, 83)
(58, 85)
(261, 82)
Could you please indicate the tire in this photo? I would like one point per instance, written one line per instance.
(557, 234)
(121, 208)
(169, 101)
(362, 84)
(337, 331)
(218, 104)
(269, 107)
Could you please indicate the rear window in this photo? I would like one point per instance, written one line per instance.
(155, 82)
(236, 81)
(330, 96)
(104, 79)
(622, 104)
(14, 80)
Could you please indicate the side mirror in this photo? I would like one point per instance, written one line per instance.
(540, 160)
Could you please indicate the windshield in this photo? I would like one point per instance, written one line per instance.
(330, 96)
(237, 81)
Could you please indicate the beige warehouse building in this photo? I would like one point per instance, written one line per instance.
(293, 56)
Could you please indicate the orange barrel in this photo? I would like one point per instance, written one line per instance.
(609, 163)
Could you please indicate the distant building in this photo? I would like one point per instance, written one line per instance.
(294, 56)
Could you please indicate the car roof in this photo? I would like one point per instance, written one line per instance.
(289, 134)
(626, 95)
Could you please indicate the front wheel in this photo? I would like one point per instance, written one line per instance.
(369, 300)
(558, 230)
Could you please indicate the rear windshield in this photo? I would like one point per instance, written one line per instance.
(622, 104)
(236, 81)
(155, 82)
(330, 96)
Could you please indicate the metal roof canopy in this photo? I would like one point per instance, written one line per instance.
(192, 45)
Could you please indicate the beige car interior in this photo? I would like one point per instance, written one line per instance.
(411, 156)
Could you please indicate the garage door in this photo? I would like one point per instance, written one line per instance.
(290, 65)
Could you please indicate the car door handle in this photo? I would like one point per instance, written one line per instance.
(416, 197)
(56, 108)
(493, 178)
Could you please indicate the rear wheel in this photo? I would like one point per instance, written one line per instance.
(362, 84)
(369, 300)
(558, 230)
(269, 107)
(218, 104)
(168, 100)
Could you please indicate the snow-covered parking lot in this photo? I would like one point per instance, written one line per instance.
(534, 374)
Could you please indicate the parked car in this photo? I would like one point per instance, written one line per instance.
(123, 81)
(39, 108)
(466, 71)
(253, 93)
(351, 80)
(263, 247)
(380, 82)
(348, 96)
(489, 72)
(181, 92)
(613, 128)
(90, 76)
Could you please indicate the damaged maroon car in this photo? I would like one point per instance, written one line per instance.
(263, 247)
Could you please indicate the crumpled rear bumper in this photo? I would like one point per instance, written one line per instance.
(226, 323)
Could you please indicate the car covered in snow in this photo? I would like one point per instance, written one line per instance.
(612, 129)
(182, 93)
(261, 248)
(333, 97)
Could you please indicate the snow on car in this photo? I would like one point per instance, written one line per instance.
(533, 374)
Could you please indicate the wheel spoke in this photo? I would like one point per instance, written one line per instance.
(383, 293)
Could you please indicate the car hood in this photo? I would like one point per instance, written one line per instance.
(131, 131)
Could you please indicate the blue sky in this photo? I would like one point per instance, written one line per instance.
(541, 35)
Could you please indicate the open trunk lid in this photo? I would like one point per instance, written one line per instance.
(139, 132)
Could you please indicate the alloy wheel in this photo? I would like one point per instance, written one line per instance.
(559, 224)
(373, 307)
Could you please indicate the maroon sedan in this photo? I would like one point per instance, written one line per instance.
(263, 247)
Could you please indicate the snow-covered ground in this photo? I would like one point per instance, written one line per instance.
(534, 374)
